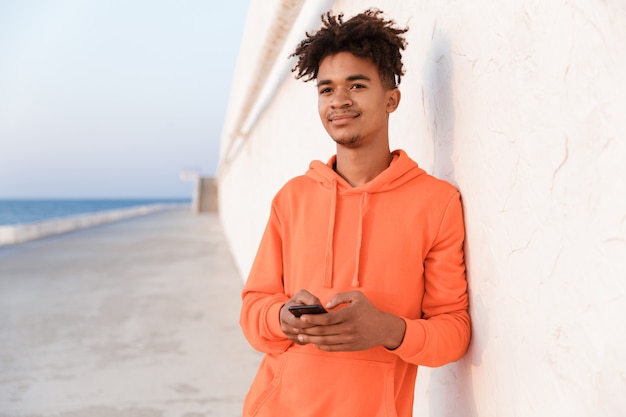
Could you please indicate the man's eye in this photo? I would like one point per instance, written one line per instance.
(358, 86)
(325, 90)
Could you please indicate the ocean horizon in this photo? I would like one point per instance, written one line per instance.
(16, 211)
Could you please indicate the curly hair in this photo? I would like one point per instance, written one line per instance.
(365, 35)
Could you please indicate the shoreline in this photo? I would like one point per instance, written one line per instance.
(24, 232)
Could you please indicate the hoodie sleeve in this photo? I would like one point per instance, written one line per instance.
(442, 335)
(264, 294)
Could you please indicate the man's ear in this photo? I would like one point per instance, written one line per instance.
(393, 100)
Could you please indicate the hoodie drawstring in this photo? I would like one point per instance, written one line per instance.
(328, 268)
(363, 206)
(329, 258)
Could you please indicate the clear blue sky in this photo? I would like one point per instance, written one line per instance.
(113, 98)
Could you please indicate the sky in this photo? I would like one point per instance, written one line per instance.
(113, 98)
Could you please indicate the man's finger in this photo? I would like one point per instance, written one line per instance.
(342, 298)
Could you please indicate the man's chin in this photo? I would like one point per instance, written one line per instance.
(349, 141)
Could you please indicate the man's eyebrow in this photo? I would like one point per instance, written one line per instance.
(355, 77)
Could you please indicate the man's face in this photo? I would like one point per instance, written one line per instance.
(353, 104)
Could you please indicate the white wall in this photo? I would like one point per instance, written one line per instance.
(521, 105)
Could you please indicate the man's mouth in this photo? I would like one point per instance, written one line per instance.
(338, 119)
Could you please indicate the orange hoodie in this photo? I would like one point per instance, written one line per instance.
(399, 240)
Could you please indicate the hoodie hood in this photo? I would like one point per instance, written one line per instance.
(401, 170)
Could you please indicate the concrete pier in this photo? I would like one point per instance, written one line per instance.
(128, 319)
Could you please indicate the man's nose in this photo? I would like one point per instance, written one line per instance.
(341, 98)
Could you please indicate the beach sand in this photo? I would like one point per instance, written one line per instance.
(133, 318)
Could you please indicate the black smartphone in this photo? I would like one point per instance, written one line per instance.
(298, 310)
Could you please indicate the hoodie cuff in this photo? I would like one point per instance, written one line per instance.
(273, 320)
(414, 339)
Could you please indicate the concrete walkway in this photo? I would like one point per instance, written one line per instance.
(137, 318)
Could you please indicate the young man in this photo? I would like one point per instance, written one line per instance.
(369, 235)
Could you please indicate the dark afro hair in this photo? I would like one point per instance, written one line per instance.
(365, 35)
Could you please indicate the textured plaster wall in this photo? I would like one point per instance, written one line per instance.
(521, 105)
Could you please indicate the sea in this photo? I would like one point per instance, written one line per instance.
(14, 212)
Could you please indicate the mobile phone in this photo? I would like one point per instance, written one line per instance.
(298, 310)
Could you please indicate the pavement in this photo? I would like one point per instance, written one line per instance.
(137, 318)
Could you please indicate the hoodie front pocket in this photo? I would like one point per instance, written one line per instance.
(264, 386)
(329, 385)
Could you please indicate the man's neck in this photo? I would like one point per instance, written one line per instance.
(359, 166)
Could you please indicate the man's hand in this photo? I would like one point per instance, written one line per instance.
(358, 326)
(291, 325)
